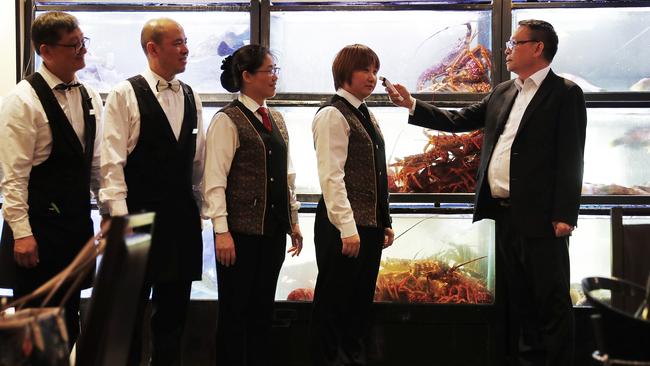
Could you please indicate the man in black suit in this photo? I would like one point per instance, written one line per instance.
(529, 182)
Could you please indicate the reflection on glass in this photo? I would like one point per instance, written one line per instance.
(590, 253)
(444, 50)
(144, 2)
(301, 2)
(425, 265)
(392, 121)
(448, 237)
(115, 53)
(607, 53)
(617, 152)
(442, 259)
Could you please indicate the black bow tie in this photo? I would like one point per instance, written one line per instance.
(66, 87)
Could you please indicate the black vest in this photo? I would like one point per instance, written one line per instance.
(158, 175)
(159, 169)
(61, 184)
(277, 197)
(58, 189)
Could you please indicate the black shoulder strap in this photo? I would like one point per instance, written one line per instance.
(190, 111)
(90, 122)
(149, 106)
(56, 117)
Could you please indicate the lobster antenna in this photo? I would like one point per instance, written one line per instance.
(468, 262)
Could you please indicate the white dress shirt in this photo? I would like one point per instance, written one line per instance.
(331, 137)
(223, 142)
(122, 131)
(27, 141)
(499, 167)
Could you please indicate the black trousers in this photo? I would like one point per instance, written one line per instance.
(539, 307)
(344, 293)
(169, 303)
(246, 299)
(59, 241)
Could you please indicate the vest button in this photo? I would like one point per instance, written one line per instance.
(272, 179)
(269, 152)
(272, 206)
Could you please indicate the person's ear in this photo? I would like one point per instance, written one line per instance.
(247, 77)
(539, 49)
(45, 52)
(152, 48)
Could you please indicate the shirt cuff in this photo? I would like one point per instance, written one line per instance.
(118, 208)
(348, 229)
(220, 224)
(21, 228)
(412, 109)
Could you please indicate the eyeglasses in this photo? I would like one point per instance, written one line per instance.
(273, 71)
(512, 43)
(84, 43)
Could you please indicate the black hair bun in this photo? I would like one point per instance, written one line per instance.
(227, 76)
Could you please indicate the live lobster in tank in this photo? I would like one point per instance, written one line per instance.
(464, 69)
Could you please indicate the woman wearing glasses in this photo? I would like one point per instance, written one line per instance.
(249, 195)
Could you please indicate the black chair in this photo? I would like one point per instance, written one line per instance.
(630, 245)
(108, 326)
(621, 321)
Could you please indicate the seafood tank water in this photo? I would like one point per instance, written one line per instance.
(445, 51)
(617, 153)
(114, 53)
(609, 52)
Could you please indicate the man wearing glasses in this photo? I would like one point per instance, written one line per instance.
(529, 182)
(50, 132)
(152, 160)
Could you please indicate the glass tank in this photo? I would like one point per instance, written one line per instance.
(431, 247)
(435, 259)
(444, 50)
(617, 152)
(607, 53)
(114, 53)
(144, 2)
(428, 161)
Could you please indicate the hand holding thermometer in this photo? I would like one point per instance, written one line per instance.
(390, 86)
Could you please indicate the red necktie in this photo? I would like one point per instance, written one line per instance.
(265, 118)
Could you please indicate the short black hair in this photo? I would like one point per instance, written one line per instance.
(48, 28)
(544, 32)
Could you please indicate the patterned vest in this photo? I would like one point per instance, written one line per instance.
(257, 194)
(365, 168)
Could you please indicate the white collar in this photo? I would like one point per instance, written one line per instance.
(51, 79)
(537, 78)
(356, 103)
(249, 103)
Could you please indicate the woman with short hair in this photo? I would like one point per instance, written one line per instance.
(353, 223)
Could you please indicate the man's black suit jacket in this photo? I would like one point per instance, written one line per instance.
(547, 153)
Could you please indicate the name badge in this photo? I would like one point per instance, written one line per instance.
(195, 131)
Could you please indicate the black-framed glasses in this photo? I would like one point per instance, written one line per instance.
(512, 43)
(273, 71)
(84, 43)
